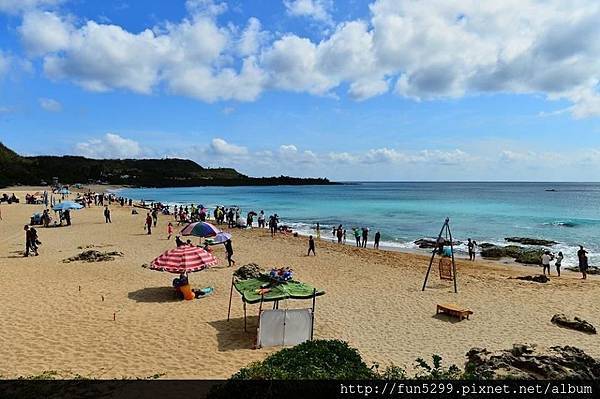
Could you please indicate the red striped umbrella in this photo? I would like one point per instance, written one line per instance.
(186, 258)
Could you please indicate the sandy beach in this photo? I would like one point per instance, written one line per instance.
(59, 316)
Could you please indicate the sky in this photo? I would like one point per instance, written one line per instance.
(349, 90)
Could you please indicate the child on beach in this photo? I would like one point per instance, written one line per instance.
(311, 246)
(169, 230)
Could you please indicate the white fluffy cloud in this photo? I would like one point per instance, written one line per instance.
(110, 146)
(221, 147)
(50, 105)
(17, 6)
(419, 50)
(318, 10)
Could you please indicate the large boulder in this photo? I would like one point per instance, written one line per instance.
(495, 251)
(574, 324)
(432, 243)
(590, 269)
(531, 241)
(530, 256)
(526, 362)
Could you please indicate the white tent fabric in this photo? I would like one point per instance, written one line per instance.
(284, 327)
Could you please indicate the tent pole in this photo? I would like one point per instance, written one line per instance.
(245, 330)
(453, 263)
(262, 297)
(433, 254)
(230, 295)
(312, 324)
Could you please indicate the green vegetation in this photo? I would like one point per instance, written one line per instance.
(168, 172)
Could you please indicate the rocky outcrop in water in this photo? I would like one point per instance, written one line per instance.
(574, 324)
(431, 243)
(590, 269)
(525, 362)
(531, 241)
(519, 254)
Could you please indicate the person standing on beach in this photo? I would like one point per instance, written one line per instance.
(318, 231)
(311, 246)
(583, 261)
(27, 240)
(340, 234)
(261, 219)
(107, 215)
(365, 236)
(546, 262)
(67, 216)
(471, 247)
(229, 252)
(377, 238)
(357, 236)
(149, 223)
(558, 263)
(344, 236)
(169, 230)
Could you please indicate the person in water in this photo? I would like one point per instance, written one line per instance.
(558, 263)
(583, 261)
(311, 246)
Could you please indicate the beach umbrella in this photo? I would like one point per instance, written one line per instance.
(63, 191)
(66, 205)
(200, 229)
(183, 259)
(220, 238)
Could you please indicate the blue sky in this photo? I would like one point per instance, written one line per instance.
(350, 90)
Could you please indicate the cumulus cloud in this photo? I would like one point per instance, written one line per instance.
(111, 146)
(221, 147)
(50, 105)
(418, 50)
(17, 6)
(318, 10)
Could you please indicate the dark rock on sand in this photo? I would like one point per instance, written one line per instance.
(525, 362)
(574, 324)
(542, 278)
(93, 256)
(251, 270)
(431, 243)
(531, 241)
(590, 269)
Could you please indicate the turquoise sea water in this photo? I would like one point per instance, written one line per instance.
(406, 211)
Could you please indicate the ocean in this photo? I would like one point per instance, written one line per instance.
(406, 211)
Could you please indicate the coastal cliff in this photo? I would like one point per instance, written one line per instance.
(169, 172)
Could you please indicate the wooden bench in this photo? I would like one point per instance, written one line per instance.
(454, 310)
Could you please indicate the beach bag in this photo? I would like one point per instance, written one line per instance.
(186, 290)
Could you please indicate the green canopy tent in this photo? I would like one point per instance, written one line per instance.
(250, 291)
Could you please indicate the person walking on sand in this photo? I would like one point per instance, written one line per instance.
(229, 252)
(558, 263)
(311, 246)
(107, 215)
(546, 262)
(148, 224)
(154, 216)
(377, 238)
(27, 240)
(583, 262)
(169, 230)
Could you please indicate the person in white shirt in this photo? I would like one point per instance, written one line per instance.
(546, 262)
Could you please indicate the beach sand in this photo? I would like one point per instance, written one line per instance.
(54, 316)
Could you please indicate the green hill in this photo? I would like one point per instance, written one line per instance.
(169, 172)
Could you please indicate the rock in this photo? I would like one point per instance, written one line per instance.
(486, 245)
(525, 362)
(575, 324)
(531, 241)
(530, 256)
(251, 270)
(542, 278)
(590, 270)
(93, 256)
(431, 243)
(510, 251)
